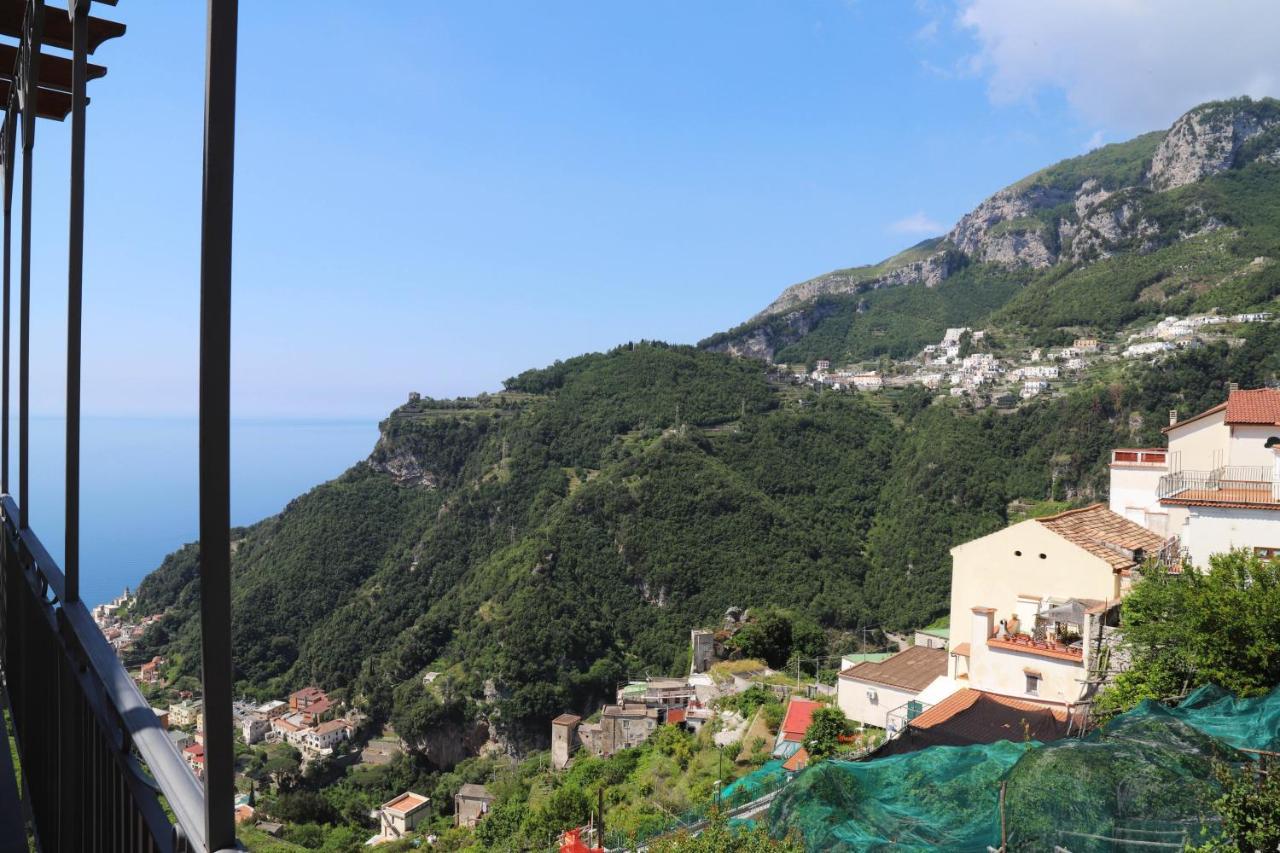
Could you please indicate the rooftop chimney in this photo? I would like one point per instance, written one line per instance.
(1173, 417)
(1233, 386)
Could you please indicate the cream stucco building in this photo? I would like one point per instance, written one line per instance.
(1217, 484)
(1026, 601)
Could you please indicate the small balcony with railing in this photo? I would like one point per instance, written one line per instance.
(1229, 485)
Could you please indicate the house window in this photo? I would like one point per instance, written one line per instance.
(1033, 684)
(1267, 553)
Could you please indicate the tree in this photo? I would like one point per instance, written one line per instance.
(823, 735)
(719, 837)
(1220, 626)
(767, 637)
(1249, 807)
(501, 823)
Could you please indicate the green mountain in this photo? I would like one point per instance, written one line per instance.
(539, 545)
(1171, 222)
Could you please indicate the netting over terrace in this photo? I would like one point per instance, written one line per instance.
(1146, 776)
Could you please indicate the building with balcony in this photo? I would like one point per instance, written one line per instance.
(1029, 602)
(1216, 486)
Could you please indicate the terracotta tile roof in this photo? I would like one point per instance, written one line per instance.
(566, 720)
(406, 803)
(799, 716)
(911, 669)
(962, 649)
(331, 726)
(675, 715)
(799, 760)
(1259, 406)
(1104, 534)
(971, 716)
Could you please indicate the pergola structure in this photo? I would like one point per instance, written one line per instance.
(97, 766)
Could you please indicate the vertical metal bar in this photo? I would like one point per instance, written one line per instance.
(10, 117)
(30, 61)
(75, 278)
(215, 422)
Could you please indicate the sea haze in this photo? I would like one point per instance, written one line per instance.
(138, 487)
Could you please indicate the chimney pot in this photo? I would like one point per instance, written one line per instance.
(1233, 386)
(1173, 417)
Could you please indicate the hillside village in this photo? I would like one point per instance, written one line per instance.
(1032, 635)
(1031, 638)
(963, 364)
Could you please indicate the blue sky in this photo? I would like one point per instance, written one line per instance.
(433, 196)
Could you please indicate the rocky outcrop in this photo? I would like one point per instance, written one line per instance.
(1005, 229)
(1106, 222)
(401, 465)
(1206, 141)
(930, 271)
(766, 338)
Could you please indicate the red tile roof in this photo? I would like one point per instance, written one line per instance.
(971, 716)
(799, 760)
(566, 720)
(1104, 534)
(799, 716)
(675, 715)
(1259, 406)
(911, 669)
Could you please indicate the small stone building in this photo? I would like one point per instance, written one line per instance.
(402, 815)
(564, 731)
(470, 804)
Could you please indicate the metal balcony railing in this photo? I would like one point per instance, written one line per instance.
(1236, 484)
(99, 772)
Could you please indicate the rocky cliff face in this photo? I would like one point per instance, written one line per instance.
(401, 464)
(1206, 141)
(763, 341)
(1006, 228)
(1075, 213)
(930, 271)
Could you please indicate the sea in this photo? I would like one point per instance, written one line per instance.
(138, 484)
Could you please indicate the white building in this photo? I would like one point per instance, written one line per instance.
(254, 728)
(1028, 601)
(868, 381)
(952, 336)
(326, 736)
(1217, 484)
(1040, 371)
(1033, 387)
(869, 692)
(402, 815)
(1152, 348)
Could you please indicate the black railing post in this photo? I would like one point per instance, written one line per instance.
(29, 66)
(79, 10)
(215, 422)
(10, 116)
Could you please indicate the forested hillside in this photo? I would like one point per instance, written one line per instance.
(539, 545)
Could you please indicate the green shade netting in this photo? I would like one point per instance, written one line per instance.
(1146, 776)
